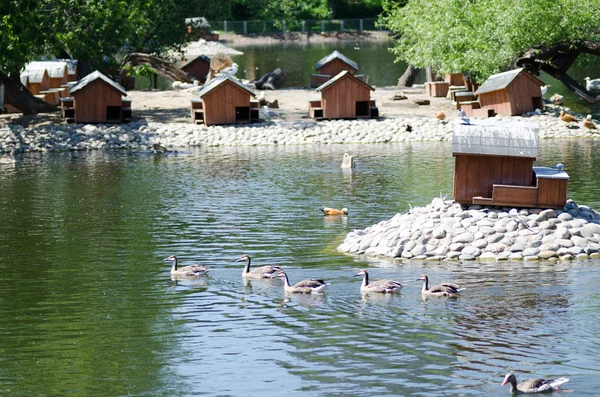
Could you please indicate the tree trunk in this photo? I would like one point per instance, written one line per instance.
(164, 68)
(408, 78)
(17, 95)
(557, 60)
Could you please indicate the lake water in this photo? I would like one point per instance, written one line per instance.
(87, 305)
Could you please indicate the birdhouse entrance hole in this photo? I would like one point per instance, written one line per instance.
(242, 113)
(362, 108)
(113, 114)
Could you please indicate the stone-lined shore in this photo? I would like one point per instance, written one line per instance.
(443, 230)
(141, 135)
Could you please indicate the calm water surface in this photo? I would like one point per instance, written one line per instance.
(87, 306)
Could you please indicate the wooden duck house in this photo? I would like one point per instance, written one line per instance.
(508, 94)
(225, 100)
(344, 97)
(98, 99)
(330, 66)
(36, 80)
(198, 68)
(494, 166)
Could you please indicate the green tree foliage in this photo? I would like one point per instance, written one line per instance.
(93, 31)
(485, 37)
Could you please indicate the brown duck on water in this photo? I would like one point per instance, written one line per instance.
(443, 289)
(378, 286)
(185, 271)
(258, 272)
(302, 287)
(532, 385)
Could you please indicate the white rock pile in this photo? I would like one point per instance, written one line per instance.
(141, 135)
(443, 230)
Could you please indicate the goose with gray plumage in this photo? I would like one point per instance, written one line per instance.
(185, 271)
(443, 289)
(379, 286)
(312, 286)
(532, 386)
(257, 273)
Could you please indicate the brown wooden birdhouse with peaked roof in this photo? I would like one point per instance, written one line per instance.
(98, 99)
(509, 93)
(494, 166)
(330, 66)
(225, 100)
(197, 68)
(344, 97)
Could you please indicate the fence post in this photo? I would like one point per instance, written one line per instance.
(303, 23)
(361, 25)
(225, 26)
(282, 26)
(322, 26)
(342, 25)
(245, 27)
(264, 27)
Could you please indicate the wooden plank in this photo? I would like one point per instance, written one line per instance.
(507, 170)
(484, 187)
(562, 191)
(472, 177)
(460, 179)
(522, 195)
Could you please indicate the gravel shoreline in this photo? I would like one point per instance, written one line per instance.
(140, 135)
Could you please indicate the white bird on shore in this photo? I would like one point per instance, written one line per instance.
(231, 70)
(559, 167)
(463, 117)
(592, 85)
(544, 89)
(269, 114)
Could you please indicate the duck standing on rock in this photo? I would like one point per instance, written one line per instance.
(592, 85)
(332, 211)
(378, 286)
(440, 115)
(185, 271)
(588, 123)
(444, 289)
(532, 385)
(258, 272)
(312, 286)
(567, 118)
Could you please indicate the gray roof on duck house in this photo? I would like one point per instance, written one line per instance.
(336, 55)
(217, 81)
(207, 59)
(500, 81)
(495, 138)
(338, 77)
(95, 76)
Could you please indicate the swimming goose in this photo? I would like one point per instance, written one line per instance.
(379, 286)
(332, 211)
(532, 385)
(302, 287)
(258, 272)
(185, 271)
(444, 289)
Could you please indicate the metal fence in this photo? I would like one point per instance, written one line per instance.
(307, 26)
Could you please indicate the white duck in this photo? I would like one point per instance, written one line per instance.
(592, 85)
(258, 272)
(231, 70)
(311, 286)
(532, 385)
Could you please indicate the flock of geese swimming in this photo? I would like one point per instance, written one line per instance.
(383, 286)
(315, 286)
